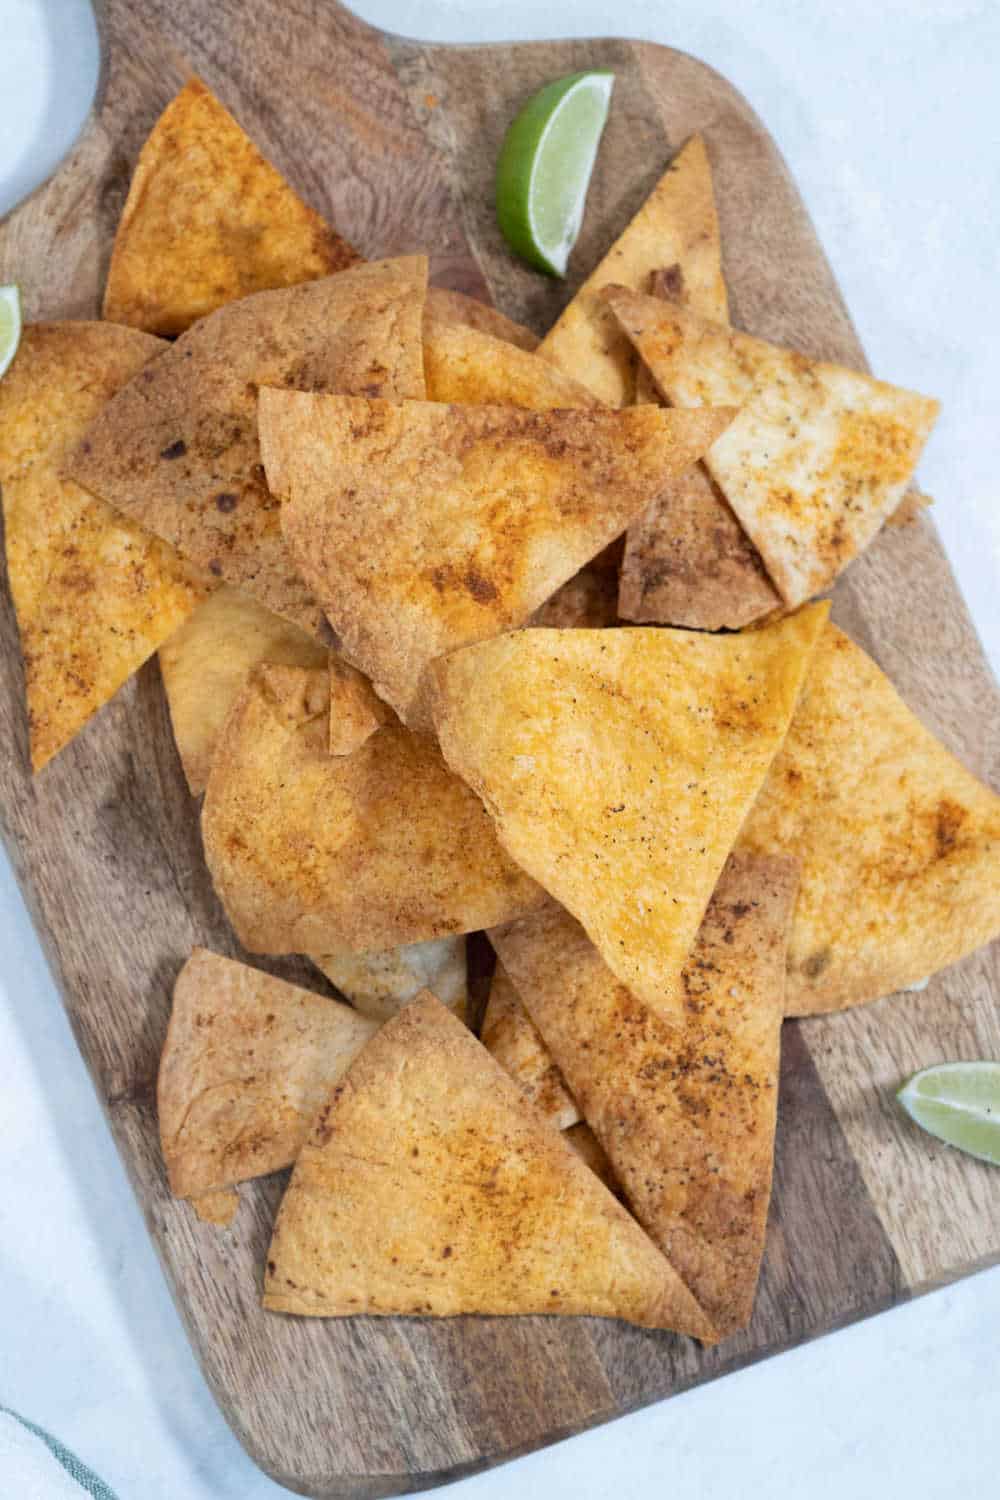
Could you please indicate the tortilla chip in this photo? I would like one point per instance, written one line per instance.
(909, 508)
(428, 1184)
(177, 449)
(819, 455)
(208, 220)
(467, 367)
(446, 306)
(313, 853)
(588, 601)
(247, 1062)
(685, 1112)
(217, 1208)
(589, 1149)
(95, 595)
(422, 527)
(205, 665)
(687, 559)
(899, 844)
(677, 225)
(355, 712)
(619, 766)
(380, 984)
(509, 1034)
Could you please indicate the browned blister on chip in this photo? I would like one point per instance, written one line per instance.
(247, 1062)
(380, 984)
(209, 220)
(206, 663)
(446, 306)
(685, 1111)
(421, 527)
(322, 854)
(677, 226)
(818, 456)
(899, 844)
(511, 1036)
(430, 1185)
(95, 594)
(177, 449)
(619, 766)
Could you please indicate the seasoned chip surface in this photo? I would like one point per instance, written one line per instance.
(619, 765)
(510, 1035)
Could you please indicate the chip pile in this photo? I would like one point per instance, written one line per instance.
(465, 632)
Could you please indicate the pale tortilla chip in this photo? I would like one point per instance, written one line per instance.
(205, 665)
(899, 844)
(687, 559)
(446, 306)
(314, 853)
(422, 527)
(468, 367)
(619, 766)
(217, 1208)
(247, 1062)
(428, 1184)
(95, 594)
(818, 456)
(685, 1112)
(177, 449)
(677, 225)
(510, 1035)
(209, 220)
(380, 984)
(588, 601)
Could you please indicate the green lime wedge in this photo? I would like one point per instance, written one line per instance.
(958, 1102)
(545, 165)
(10, 324)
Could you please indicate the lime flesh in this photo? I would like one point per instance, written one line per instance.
(545, 167)
(959, 1103)
(10, 324)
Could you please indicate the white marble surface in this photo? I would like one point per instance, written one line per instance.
(889, 118)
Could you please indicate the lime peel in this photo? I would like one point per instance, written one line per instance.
(10, 325)
(959, 1103)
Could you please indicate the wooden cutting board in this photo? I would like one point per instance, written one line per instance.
(396, 143)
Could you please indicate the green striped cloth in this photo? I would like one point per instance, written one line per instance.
(34, 1465)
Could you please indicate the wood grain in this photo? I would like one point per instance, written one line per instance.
(396, 143)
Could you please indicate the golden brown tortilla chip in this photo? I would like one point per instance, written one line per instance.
(589, 1149)
(422, 527)
(619, 766)
(206, 663)
(429, 1184)
(466, 366)
(355, 712)
(446, 306)
(380, 984)
(95, 594)
(685, 1112)
(899, 844)
(177, 449)
(818, 456)
(247, 1062)
(510, 1035)
(314, 853)
(208, 220)
(677, 225)
(217, 1208)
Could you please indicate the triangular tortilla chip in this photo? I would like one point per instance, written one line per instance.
(208, 220)
(177, 449)
(205, 665)
(685, 1112)
(619, 765)
(421, 527)
(446, 306)
(510, 1035)
(428, 1184)
(687, 559)
(95, 594)
(469, 367)
(819, 455)
(589, 1149)
(247, 1062)
(314, 853)
(380, 984)
(677, 225)
(899, 844)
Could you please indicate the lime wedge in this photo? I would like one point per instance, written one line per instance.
(10, 324)
(545, 165)
(958, 1102)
